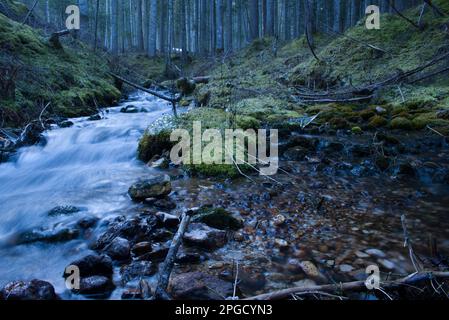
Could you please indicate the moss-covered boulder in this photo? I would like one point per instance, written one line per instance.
(152, 144)
(401, 123)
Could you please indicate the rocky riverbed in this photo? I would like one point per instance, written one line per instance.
(334, 209)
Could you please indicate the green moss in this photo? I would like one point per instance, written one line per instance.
(73, 80)
(215, 170)
(247, 122)
(356, 130)
(377, 122)
(152, 144)
(401, 123)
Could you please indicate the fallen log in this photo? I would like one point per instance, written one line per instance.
(167, 267)
(355, 286)
(159, 95)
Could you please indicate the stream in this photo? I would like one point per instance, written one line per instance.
(90, 165)
(342, 215)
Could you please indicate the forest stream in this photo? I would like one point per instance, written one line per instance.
(341, 215)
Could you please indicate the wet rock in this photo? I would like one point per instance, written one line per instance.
(203, 236)
(95, 117)
(168, 220)
(142, 248)
(387, 264)
(96, 285)
(61, 234)
(161, 204)
(380, 110)
(87, 222)
(376, 253)
(199, 286)
(119, 249)
(135, 230)
(306, 283)
(32, 290)
(157, 187)
(312, 271)
(281, 244)
(406, 169)
(295, 154)
(161, 163)
(93, 265)
(63, 211)
(66, 124)
(132, 294)
(346, 268)
(362, 255)
(137, 269)
(187, 257)
(158, 253)
(130, 109)
(218, 218)
(279, 220)
(251, 279)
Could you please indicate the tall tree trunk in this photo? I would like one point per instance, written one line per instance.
(254, 19)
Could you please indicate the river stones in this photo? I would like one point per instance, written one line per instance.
(93, 265)
(157, 187)
(137, 269)
(168, 220)
(202, 236)
(63, 211)
(62, 234)
(95, 275)
(141, 248)
(119, 249)
(199, 286)
(218, 218)
(31, 290)
(99, 286)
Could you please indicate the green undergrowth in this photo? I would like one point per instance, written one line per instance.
(72, 79)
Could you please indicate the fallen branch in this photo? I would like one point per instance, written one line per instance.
(352, 286)
(165, 272)
(173, 101)
(40, 115)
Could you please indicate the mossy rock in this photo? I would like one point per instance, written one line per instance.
(339, 123)
(247, 122)
(377, 122)
(218, 218)
(226, 171)
(151, 145)
(356, 130)
(401, 123)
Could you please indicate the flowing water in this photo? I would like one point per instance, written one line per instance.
(332, 216)
(90, 165)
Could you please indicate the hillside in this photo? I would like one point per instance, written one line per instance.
(34, 73)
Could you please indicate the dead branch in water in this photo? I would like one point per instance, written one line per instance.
(173, 100)
(353, 286)
(167, 267)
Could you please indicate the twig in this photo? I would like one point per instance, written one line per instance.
(402, 94)
(352, 286)
(42, 112)
(438, 133)
(408, 244)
